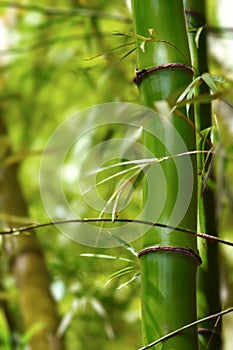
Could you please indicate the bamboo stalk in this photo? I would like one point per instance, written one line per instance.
(208, 274)
(37, 306)
(169, 260)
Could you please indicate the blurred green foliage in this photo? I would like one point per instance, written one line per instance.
(56, 59)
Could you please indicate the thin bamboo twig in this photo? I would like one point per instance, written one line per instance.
(169, 335)
(135, 221)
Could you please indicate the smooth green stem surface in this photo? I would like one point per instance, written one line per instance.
(168, 277)
(166, 48)
(162, 314)
(208, 274)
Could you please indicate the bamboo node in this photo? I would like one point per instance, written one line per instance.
(184, 251)
(144, 72)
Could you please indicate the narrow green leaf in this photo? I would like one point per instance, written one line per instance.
(105, 256)
(120, 273)
(5, 333)
(208, 79)
(68, 317)
(98, 307)
(31, 332)
(138, 162)
(187, 90)
(126, 245)
(119, 173)
(126, 184)
(203, 98)
(110, 51)
(197, 36)
(129, 281)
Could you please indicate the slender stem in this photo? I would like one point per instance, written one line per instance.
(208, 274)
(211, 317)
(28, 228)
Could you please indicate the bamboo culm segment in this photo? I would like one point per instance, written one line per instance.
(159, 310)
(208, 301)
(168, 278)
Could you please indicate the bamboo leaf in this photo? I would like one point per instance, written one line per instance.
(127, 54)
(133, 180)
(103, 54)
(129, 281)
(68, 317)
(119, 173)
(5, 333)
(141, 165)
(126, 245)
(197, 36)
(204, 98)
(98, 307)
(143, 46)
(120, 273)
(188, 89)
(31, 332)
(105, 256)
(129, 184)
(220, 79)
(125, 184)
(208, 79)
(110, 200)
(138, 162)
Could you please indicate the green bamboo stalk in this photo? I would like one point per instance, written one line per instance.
(208, 274)
(168, 260)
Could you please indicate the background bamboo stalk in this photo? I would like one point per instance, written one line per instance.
(37, 307)
(208, 274)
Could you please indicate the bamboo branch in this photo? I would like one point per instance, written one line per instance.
(169, 335)
(213, 238)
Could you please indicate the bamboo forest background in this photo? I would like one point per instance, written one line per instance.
(57, 58)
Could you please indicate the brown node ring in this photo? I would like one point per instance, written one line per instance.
(184, 251)
(144, 72)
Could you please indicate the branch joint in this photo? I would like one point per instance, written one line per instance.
(144, 72)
